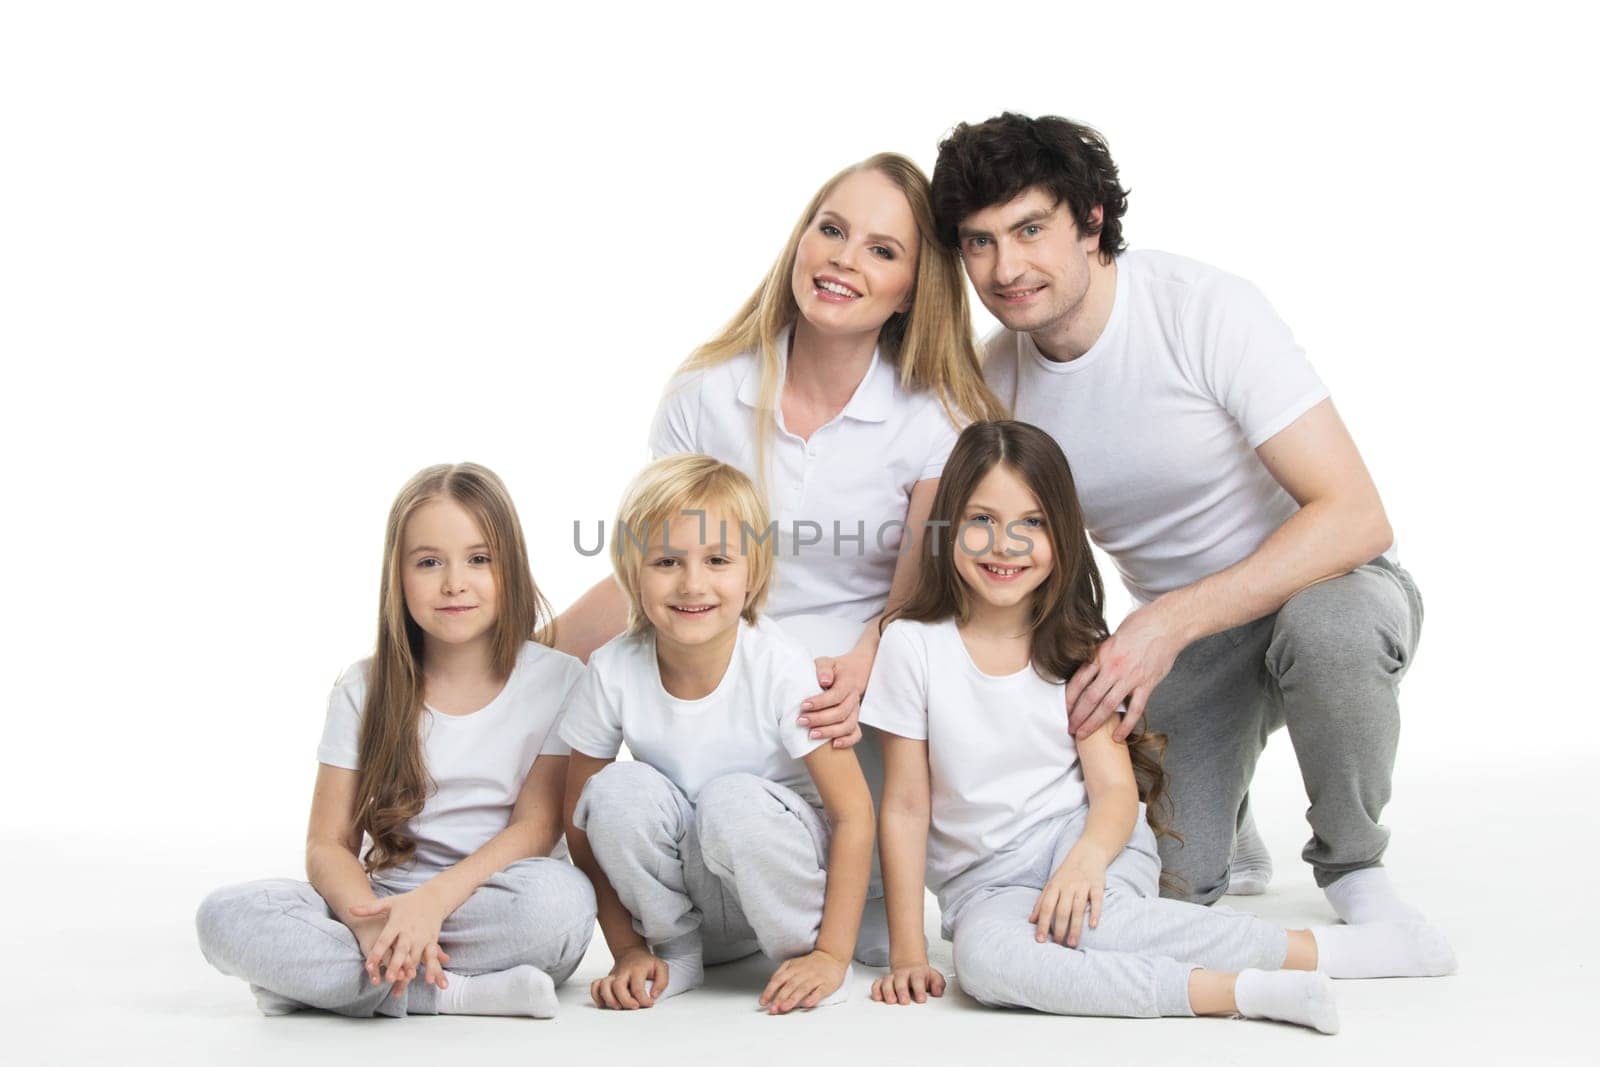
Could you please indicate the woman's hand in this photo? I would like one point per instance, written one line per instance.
(903, 985)
(834, 712)
(637, 980)
(410, 930)
(1076, 891)
(802, 982)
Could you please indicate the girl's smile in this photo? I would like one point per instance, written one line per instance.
(1002, 550)
(997, 573)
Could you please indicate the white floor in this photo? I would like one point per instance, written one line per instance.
(103, 965)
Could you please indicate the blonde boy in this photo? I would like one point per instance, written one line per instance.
(731, 831)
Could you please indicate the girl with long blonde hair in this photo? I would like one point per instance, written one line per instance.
(838, 388)
(437, 805)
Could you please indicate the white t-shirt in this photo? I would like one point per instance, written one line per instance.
(478, 762)
(1000, 758)
(747, 724)
(853, 476)
(1161, 418)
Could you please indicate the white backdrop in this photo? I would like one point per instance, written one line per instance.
(259, 264)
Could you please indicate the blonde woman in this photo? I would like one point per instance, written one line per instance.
(441, 752)
(839, 388)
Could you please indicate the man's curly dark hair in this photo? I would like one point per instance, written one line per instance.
(997, 160)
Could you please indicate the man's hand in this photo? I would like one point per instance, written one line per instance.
(1128, 665)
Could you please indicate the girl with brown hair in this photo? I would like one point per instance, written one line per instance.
(440, 753)
(1042, 849)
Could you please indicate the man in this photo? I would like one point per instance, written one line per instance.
(1215, 471)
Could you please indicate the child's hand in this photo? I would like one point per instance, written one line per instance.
(1076, 891)
(902, 985)
(802, 982)
(367, 932)
(636, 980)
(413, 922)
(434, 961)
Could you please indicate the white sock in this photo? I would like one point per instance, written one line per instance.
(872, 943)
(685, 962)
(1383, 950)
(1250, 870)
(271, 1003)
(1367, 896)
(523, 990)
(1301, 997)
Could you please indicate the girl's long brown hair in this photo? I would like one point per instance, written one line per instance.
(393, 782)
(1067, 619)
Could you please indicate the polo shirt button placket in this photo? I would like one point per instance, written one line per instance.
(798, 486)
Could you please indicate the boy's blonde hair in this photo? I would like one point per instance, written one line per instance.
(665, 494)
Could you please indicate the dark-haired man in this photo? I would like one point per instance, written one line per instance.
(1215, 471)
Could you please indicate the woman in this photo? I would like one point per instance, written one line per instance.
(839, 388)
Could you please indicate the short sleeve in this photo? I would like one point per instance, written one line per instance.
(1000, 367)
(571, 678)
(897, 693)
(793, 681)
(341, 731)
(673, 429)
(1246, 357)
(590, 723)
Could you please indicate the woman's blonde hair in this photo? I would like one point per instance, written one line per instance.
(931, 345)
(393, 782)
(665, 496)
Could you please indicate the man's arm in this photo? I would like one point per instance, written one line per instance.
(1341, 524)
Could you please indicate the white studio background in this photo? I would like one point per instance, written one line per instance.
(259, 263)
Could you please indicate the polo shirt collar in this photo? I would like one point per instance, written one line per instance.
(873, 400)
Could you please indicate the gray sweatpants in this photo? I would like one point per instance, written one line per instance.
(1327, 665)
(743, 869)
(279, 936)
(1135, 962)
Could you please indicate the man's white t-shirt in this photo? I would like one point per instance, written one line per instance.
(478, 761)
(840, 497)
(747, 724)
(1000, 758)
(1161, 418)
